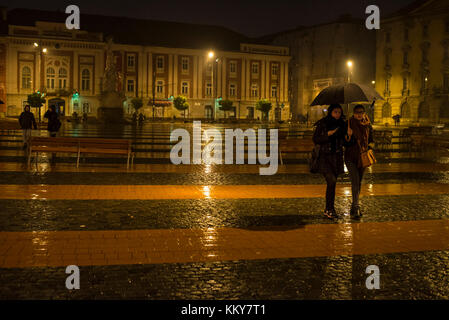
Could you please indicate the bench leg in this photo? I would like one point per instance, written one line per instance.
(127, 162)
(280, 156)
(78, 160)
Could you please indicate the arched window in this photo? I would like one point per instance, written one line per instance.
(62, 78)
(26, 78)
(85, 80)
(51, 78)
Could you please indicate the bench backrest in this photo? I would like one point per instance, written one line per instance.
(296, 144)
(82, 142)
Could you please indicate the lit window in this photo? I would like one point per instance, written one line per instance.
(185, 88)
(62, 78)
(254, 90)
(255, 67)
(232, 67)
(159, 86)
(50, 78)
(232, 90)
(26, 78)
(274, 91)
(208, 89)
(131, 61)
(130, 86)
(85, 80)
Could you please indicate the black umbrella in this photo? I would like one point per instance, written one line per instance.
(346, 93)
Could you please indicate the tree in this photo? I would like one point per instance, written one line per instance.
(137, 103)
(36, 100)
(264, 106)
(226, 105)
(180, 103)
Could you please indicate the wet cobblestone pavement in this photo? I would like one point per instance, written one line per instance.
(216, 243)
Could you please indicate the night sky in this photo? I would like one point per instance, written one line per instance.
(250, 17)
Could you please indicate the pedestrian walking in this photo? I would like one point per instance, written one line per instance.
(330, 134)
(27, 123)
(358, 140)
(53, 121)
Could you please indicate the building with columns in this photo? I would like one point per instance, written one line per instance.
(156, 61)
(413, 64)
(320, 55)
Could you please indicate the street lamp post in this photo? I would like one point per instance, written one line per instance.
(349, 64)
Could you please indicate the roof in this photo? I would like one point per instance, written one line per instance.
(140, 31)
(345, 18)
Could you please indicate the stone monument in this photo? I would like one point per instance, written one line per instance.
(112, 97)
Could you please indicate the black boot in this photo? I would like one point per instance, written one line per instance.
(331, 214)
(355, 212)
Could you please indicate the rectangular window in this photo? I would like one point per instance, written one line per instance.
(50, 83)
(131, 61)
(254, 90)
(274, 91)
(185, 64)
(208, 89)
(159, 86)
(185, 88)
(255, 68)
(160, 63)
(232, 67)
(62, 83)
(232, 90)
(274, 69)
(130, 86)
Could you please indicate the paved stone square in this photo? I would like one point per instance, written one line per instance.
(160, 231)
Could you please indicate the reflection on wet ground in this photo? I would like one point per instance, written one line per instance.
(162, 231)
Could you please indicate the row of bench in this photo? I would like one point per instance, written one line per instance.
(124, 147)
(80, 146)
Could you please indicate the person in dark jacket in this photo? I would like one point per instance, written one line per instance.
(330, 134)
(359, 139)
(53, 121)
(27, 123)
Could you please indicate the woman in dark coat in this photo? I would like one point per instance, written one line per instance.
(53, 121)
(330, 135)
(359, 139)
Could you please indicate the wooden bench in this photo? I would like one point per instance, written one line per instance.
(80, 146)
(295, 146)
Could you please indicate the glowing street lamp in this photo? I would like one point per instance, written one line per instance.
(44, 50)
(349, 64)
(211, 55)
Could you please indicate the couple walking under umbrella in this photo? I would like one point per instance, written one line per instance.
(343, 142)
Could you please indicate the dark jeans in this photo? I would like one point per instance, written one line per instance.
(331, 180)
(356, 175)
